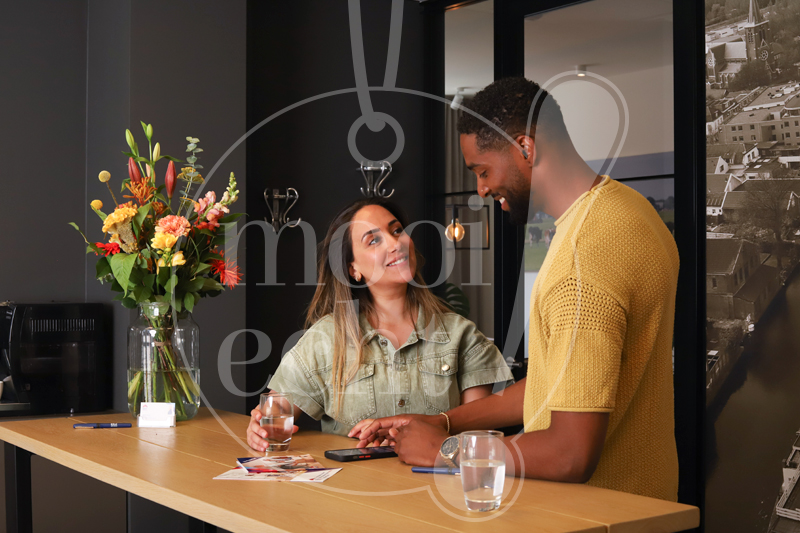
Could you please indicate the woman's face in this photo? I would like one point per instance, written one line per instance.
(383, 253)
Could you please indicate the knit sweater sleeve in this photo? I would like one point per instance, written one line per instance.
(585, 329)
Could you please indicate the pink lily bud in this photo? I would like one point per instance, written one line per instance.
(133, 171)
(169, 179)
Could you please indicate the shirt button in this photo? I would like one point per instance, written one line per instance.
(383, 342)
(445, 368)
(401, 403)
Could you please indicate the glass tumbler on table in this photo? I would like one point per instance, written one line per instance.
(483, 469)
(277, 417)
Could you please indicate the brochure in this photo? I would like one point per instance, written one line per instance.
(280, 468)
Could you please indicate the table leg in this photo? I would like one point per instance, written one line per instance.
(198, 526)
(19, 514)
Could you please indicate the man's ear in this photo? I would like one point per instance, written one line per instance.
(526, 149)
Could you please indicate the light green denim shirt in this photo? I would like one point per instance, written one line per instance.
(426, 375)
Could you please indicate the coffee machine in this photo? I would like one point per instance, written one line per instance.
(54, 358)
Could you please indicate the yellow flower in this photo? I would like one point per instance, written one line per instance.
(121, 215)
(177, 260)
(97, 204)
(118, 223)
(164, 241)
(104, 176)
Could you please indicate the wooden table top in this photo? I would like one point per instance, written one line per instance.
(175, 467)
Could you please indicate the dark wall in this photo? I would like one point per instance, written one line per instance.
(306, 148)
(42, 140)
(76, 73)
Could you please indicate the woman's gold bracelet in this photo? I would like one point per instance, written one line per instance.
(448, 421)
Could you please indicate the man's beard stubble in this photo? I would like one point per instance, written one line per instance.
(518, 199)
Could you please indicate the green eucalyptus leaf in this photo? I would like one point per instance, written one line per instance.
(191, 159)
(190, 147)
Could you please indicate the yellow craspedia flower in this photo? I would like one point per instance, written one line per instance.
(164, 241)
(97, 204)
(104, 176)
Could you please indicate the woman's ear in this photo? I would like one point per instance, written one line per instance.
(353, 272)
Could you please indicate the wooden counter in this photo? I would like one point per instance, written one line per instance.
(175, 467)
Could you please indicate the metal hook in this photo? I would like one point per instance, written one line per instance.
(280, 218)
(368, 168)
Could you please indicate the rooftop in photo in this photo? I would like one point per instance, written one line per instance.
(721, 255)
(751, 117)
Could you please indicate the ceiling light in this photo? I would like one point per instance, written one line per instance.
(454, 231)
(580, 70)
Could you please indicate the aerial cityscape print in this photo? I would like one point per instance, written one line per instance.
(752, 64)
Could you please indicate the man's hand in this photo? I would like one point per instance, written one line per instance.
(256, 435)
(417, 443)
(370, 430)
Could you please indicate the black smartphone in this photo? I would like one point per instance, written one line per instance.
(360, 454)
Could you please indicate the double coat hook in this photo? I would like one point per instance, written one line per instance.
(279, 206)
(368, 170)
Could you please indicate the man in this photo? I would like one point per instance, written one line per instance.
(597, 403)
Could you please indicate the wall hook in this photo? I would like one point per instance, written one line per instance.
(279, 206)
(368, 170)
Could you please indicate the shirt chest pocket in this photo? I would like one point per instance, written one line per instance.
(358, 397)
(440, 381)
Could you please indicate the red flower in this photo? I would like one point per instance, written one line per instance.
(169, 179)
(228, 271)
(133, 171)
(110, 248)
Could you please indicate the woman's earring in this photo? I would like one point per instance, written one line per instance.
(357, 276)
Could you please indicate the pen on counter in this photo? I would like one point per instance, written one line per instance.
(102, 426)
(435, 470)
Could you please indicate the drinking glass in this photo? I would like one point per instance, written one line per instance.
(277, 417)
(483, 469)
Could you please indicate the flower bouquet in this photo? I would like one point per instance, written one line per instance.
(163, 260)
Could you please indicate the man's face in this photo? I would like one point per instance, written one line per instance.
(499, 176)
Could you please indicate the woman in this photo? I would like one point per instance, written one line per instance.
(378, 342)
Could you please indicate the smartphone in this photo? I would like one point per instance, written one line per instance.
(360, 454)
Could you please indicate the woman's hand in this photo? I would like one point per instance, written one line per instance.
(371, 430)
(256, 435)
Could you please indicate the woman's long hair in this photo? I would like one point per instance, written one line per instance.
(340, 296)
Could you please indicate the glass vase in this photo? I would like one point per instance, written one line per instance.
(164, 359)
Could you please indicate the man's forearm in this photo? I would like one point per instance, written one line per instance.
(495, 411)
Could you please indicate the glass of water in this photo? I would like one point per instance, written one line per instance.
(482, 459)
(277, 417)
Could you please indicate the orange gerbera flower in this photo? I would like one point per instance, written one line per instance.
(228, 271)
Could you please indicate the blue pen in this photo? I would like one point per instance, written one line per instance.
(102, 426)
(436, 470)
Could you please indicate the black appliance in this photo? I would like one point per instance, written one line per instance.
(54, 358)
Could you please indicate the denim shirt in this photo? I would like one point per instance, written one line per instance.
(425, 375)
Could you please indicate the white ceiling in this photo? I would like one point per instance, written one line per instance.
(611, 37)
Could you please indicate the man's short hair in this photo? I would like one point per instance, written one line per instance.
(506, 103)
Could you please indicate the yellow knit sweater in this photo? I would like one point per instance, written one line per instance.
(602, 313)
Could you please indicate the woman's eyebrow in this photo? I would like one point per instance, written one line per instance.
(370, 232)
